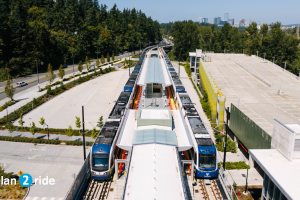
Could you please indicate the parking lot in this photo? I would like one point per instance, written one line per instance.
(60, 162)
(98, 97)
(260, 102)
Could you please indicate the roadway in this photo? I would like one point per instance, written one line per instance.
(32, 79)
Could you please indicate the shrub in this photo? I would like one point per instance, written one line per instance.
(6, 105)
(70, 77)
(66, 79)
(234, 165)
(56, 83)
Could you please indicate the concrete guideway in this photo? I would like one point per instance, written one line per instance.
(97, 95)
(55, 161)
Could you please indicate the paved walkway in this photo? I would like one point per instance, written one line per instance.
(27, 95)
(44, 136)
(233, 175)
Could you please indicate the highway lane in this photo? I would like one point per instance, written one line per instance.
(32, 79)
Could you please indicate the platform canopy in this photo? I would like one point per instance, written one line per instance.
(158, 136)
(154, 73)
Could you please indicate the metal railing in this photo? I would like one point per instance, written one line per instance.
(78, 183)
(227, 183)
(181, 175)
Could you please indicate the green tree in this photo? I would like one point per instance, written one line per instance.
(100, 122)
(80, 67)
(102, 59)
(113, 56)
(9, 88)
(61, 72)
(50, 76)
(87, 64)
(21, 122)
(94, 133)
(78, 122)
(33, 129)
(108, 57)
(42, 121)
(97, 62)
(70, 131)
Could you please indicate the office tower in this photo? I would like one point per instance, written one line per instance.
(217, 20)
(231, 22)
(242, 23)
(226, 16)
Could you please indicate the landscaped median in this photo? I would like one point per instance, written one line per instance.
(234, 165)
(43, 141)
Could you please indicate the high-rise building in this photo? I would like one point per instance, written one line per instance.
(226, 16)
(242, 23)
(231, 22)
(202, 20)
(250, 21)
(217, 20)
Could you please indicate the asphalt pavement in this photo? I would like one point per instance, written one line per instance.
(33, 79)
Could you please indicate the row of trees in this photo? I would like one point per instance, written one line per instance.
(55, 31)
(270, 41)
(70, 132)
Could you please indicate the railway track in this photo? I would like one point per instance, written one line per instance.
(209, 192)
(97, 190)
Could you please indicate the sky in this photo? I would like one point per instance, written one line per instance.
(263, 11)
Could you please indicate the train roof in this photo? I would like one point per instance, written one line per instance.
(101, 149)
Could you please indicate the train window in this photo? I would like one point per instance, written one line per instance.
(207, 160)
(100, 162)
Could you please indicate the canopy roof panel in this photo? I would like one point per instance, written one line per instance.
(154, 73)
(158, 136)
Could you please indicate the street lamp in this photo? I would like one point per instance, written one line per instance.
(273, 60)
(284, 66)
(257, 53)
(245, 192)
(47, 129)
(37, 70)
(264, 56)
(299, 73)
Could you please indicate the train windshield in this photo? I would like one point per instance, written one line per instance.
(207, 160)
(100, 162)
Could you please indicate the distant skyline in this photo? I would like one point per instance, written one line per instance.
(266, 11)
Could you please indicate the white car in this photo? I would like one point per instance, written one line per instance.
(20, 84)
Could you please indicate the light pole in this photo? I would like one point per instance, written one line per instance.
(37, 71)
(257, 53)
(273, 60)
(299, 73)
(83, 134)
(225, 144)
(284, 66)
(245, 192)
(73, 67)
(47, 129)
(243, 51)
(264, 56)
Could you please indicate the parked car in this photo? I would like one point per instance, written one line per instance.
(65, 65)
(21, 84)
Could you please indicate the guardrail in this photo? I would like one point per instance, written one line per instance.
(80, 180)
(278, 67)
(253, 73)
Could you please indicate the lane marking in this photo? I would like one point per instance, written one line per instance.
(252, 76)
(288, 97)
(281, 97)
